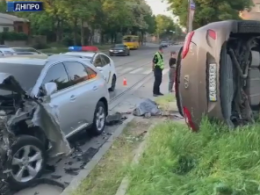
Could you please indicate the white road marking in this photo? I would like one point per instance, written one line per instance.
(165, 71)
(148, 71)
(136, 71)
(126, 70)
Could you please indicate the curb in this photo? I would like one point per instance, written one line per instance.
(122, 189)
(74, 184)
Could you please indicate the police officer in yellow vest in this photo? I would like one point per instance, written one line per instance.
(158, 66)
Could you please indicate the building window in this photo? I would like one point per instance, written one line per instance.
(6, 29)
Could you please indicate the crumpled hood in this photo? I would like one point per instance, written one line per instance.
(44, 116)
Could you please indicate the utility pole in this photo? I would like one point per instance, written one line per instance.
(188, 17)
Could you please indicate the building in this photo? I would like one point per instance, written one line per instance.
(9, 23)
(253, 14)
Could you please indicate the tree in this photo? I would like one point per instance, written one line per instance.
(75, 21)
(164, 24)
(209, 10)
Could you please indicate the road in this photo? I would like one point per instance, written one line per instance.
(137, 71)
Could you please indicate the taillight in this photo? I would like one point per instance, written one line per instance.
(186, 45)
(188, 118)
(212, 34)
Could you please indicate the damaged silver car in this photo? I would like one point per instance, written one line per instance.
(42, 103)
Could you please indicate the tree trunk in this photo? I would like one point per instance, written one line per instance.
(82, 33)
(75, 21)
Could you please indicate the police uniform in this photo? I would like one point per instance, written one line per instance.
(158, 68)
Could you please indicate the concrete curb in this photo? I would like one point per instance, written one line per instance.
(74, 184)
(122, 189)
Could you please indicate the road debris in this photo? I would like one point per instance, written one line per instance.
(116, 118)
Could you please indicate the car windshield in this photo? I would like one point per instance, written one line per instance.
(21, 72)
(119, 46)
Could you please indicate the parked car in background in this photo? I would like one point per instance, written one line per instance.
(119, 50)
(102, 62)
(218, 74)
(43, 102)
(5, 51)
(164, 44)
(27, 51)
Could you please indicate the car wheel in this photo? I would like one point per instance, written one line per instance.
(28, 161)
(99, 121)
(128, 53)
(113, 84)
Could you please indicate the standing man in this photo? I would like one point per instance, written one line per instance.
(172, 64)
(158, 66)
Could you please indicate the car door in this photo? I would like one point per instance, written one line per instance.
(106, 67)
(61, 99)
(85, 88)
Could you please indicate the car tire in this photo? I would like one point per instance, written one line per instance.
(99, 121)
(24, 148)
(113, 84)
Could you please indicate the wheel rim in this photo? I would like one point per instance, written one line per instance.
(26, 163)
(100, 118)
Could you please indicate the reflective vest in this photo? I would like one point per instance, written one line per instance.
(160, 62)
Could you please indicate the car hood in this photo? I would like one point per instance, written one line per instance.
(8, 82)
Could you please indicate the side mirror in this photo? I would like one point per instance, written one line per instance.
(50, 88)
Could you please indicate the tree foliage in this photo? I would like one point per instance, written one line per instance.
(75, 21)
(209, 10)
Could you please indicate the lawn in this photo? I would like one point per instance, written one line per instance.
(108, 173)
(214, 161)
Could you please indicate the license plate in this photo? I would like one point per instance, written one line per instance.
(212, 82)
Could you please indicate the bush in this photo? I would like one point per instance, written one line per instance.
(13, 36)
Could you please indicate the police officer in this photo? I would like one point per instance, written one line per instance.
(158, 66)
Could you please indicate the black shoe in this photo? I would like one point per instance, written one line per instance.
(161, 94)
(155, 95)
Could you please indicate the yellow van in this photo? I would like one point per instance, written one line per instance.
(131, 41)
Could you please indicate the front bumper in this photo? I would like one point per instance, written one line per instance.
(117, 53)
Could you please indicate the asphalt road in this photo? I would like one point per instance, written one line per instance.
(137, 70)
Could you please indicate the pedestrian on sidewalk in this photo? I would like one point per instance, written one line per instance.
(158, 66)
(172, 64)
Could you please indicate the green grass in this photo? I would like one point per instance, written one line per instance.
(214, 161)
(166, 102)
(108, 173)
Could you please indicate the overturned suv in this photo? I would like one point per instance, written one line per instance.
(218, 73)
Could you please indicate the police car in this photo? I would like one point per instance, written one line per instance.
(100, 60)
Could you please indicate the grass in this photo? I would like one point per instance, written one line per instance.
(60, 49)
(214, 161)
(166, 102)
(107, 175)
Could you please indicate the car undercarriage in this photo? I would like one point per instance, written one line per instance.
(239, 78)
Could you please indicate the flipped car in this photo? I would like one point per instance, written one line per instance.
(218, 73)
(101, 61)
(119, 50)
(40, 111)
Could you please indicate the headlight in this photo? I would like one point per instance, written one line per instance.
(121, 50)
(111, 50)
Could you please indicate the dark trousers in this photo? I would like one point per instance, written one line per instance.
(157, 80)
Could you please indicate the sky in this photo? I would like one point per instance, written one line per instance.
(158, 7)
